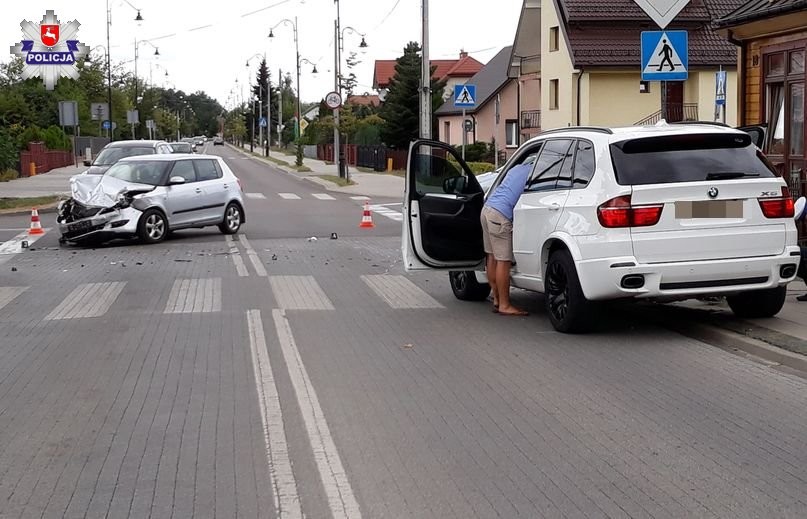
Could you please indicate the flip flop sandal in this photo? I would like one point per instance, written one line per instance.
(520, 313)
(495, 309)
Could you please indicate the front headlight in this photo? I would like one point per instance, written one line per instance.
(122, 201)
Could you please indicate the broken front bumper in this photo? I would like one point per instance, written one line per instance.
(79, 223)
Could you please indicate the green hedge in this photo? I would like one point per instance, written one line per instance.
(477, 167)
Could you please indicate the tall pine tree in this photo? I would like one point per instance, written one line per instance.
(261, 91)
(400, 110)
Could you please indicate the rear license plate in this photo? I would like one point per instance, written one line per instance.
(79, 226)
(709, 209)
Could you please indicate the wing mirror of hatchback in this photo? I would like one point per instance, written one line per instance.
(174, 181)
(455, 185)
(87, 162)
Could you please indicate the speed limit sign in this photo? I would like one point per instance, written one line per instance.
(333, 100)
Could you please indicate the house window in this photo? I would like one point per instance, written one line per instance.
(553, 39)
(644, 87)
(553, 94)
(447, 132)
(511, 133)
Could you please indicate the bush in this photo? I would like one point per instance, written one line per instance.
(9, 174)
(477, 167)
(56, 139)
(477, 152)
(31, 134)
(8, 151)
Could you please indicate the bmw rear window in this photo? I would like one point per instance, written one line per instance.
(688, 158)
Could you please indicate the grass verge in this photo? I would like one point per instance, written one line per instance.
(16, 203)
(337, 180)
(303, 168)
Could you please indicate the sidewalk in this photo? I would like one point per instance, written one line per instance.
(379, 185)
(55, 182)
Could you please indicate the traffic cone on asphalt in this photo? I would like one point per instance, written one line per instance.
(367, 217)
(36, 225)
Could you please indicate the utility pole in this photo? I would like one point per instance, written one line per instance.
(337, 145)
(425, 78)
(279, 106)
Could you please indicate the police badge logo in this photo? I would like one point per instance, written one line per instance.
(50, 49)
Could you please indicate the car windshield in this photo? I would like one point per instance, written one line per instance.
(109, 156)
(688, 158)
(149, 172)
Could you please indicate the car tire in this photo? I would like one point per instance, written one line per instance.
(232, 219)
(152, 226)
(466, 287)
(569, 310)
(758, 303)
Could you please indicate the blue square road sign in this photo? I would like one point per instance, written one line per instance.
(665, 56)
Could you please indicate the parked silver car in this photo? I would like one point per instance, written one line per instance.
(149, 196)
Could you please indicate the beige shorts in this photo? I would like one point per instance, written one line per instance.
(497, 234)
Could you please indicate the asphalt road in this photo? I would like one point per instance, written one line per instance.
(269, 375)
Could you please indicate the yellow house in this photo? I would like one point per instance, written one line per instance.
(589, 64)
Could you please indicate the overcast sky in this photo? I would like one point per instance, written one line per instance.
(204, 45)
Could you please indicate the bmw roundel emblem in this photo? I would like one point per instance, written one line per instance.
(712, 192)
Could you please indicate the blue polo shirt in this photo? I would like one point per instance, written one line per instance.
(505, 197)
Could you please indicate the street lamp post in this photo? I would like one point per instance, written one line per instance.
(136, 55)
(342, 169)
(299, 61)
(138, 19)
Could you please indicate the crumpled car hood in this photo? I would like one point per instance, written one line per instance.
(101, 190)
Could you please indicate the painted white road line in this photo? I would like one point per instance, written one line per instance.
(362, 198)
(256, 196)
(341, 499)
(240, 267)
(390, 204)
(299, 293)
(284, 486)
(198, 295)
(389, 213)
(253, 256)
(14, 245)
(288, 196)
(7, 294)
(399, 292)
(322, 196)
(87, 300)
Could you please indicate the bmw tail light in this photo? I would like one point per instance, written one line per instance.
(619, 212)
(782, 207)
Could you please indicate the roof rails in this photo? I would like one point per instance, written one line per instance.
(599, 129)
(707, 123)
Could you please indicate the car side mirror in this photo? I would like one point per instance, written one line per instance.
(455, 185)
(174, 181)
(87, 162)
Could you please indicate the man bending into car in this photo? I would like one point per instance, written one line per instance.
(497, 234)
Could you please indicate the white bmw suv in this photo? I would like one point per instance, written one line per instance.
(664, 212)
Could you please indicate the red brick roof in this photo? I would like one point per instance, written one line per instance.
(608, 33)
(364, 100)
(465, 66)
(619, 45)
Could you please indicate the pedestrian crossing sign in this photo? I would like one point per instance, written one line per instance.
(665, 56)
(465, 96)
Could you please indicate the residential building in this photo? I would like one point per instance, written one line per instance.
(772, 39)
(365, 99)
(589, 64)
(496, 94)
(525, 67)
(453, 71)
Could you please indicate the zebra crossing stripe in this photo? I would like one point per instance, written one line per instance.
(299, 293)
(87, 300)
(386, 211)
(288, 196)
(194, 296)
(257, 196)
(398, 292)
(322, 196)
(7, 294)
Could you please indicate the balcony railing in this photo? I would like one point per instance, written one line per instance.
(675, 113)
(530, 119)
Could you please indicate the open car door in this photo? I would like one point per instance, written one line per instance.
(757, 133)
(442, 205)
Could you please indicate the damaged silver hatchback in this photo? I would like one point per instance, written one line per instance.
(150, 196)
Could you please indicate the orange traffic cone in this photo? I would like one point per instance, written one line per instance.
(36, 225)
(367, 217)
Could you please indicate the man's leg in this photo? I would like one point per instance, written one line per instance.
(490, 270)
(503, 284)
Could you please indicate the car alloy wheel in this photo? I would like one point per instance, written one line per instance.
(557, 291)
(233, 217)
(155, 226)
